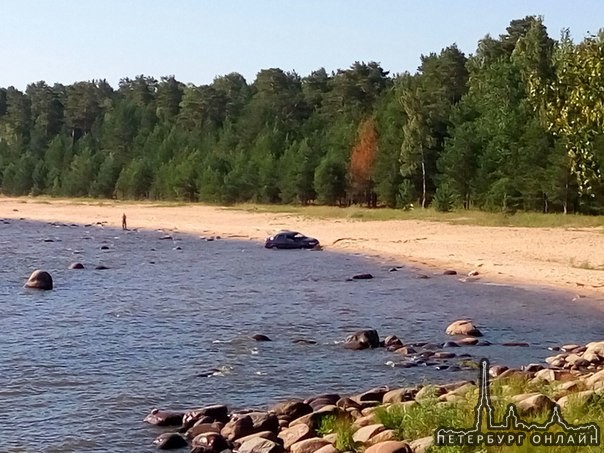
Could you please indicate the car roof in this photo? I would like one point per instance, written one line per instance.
(287, 232)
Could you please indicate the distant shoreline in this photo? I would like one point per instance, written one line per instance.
(551, 258)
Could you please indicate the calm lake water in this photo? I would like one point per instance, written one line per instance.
(82, 365)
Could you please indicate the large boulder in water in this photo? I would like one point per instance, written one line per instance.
(209, 443)
(39, 280)
(362, 339)
(217, 412)
(164, 418)
(463, 327)
(170, 441)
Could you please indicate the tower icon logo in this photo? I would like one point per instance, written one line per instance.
(512, 429)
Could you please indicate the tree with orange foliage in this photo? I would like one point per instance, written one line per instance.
(362, 158)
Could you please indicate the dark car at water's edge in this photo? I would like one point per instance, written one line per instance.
(290, 240)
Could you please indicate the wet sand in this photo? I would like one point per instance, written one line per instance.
(569, 259)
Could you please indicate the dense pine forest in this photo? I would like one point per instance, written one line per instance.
(517, 125)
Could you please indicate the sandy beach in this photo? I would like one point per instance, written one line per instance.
(563, 258)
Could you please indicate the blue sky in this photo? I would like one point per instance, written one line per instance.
(195, 40)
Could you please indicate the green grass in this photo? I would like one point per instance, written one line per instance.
(342, 427)
(421, 419)
(460, 217)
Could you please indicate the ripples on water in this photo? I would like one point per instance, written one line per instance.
(81, 366)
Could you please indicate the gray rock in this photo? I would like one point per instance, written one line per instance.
(238, 427)
(293, 409)
(39, 280)
(260, 445)
(295, 434)
(209, 443)
(463, 327)
(390, 446)
(170, 441)
(363, 339)
(164, 418)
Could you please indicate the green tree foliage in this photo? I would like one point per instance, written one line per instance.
(330, 181)
(516, 126)
(427, 100)
(573, 104)
(496, 156)
(389, 125)
(79, 175)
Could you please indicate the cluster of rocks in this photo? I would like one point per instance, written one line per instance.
(575, 375)
(41, 279)
(288, 426)
(294, 425)
(578, 358)
(433, 354)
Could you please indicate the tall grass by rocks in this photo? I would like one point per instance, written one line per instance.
(342, 427)
(422, 418)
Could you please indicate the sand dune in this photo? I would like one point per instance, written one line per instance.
(569, 259)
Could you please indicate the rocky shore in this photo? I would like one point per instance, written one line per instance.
(378, 420)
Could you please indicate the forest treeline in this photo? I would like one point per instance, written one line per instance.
(517, 125)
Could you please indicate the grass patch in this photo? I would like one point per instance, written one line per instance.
(469, 217)
(421, 419)
(460, 217)
(342, 427)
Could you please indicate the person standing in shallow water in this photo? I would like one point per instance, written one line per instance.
(124, 225)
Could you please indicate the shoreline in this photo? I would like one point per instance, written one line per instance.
(402, 419)
(560, 259)
(540, 384)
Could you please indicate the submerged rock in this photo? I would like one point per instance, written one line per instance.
(304, 341)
